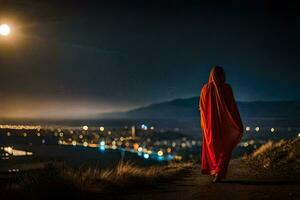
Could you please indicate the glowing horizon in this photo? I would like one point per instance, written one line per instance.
(50, 108)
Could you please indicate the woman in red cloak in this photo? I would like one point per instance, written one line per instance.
(221, 124)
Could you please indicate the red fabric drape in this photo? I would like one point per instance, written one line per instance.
(221, 124)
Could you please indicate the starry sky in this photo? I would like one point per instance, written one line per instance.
(78, 58)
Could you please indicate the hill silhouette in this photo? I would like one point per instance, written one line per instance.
(188, 108)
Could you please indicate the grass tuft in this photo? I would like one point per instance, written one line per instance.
(276, 158)
(64, 181)
(123, 175)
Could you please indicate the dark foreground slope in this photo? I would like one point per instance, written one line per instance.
(249, 178)
(271, 172)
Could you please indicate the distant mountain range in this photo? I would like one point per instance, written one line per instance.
(188, 108)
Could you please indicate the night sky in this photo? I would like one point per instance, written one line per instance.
(78, 58)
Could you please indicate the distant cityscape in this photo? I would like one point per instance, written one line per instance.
(146, 141)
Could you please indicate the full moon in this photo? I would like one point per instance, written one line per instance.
(4, 30)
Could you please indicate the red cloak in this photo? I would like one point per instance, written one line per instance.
(221, 124)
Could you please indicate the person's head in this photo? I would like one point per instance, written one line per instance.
(217, 74)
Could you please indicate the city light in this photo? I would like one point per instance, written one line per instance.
(161, 149)
(169, 150)
(85, 128)
(145, 150)
(176, 157)
(16, 152)
(272, 130)
(102, 147)
(135, 146)
(101, 128)
(146, 156)
(160, 153)
(4, 30)
(144, 127)
(85, 144)
(140, 149)
(20, 127)
(8, 150)
(13, 170)
(74, 143)
(92, 145)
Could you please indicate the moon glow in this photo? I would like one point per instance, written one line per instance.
(4, 29)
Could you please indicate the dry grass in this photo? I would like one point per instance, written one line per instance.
(124, 175)
(58, 180)
(269, 146)
(276, 158)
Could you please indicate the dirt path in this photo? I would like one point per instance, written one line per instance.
(240, 184)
